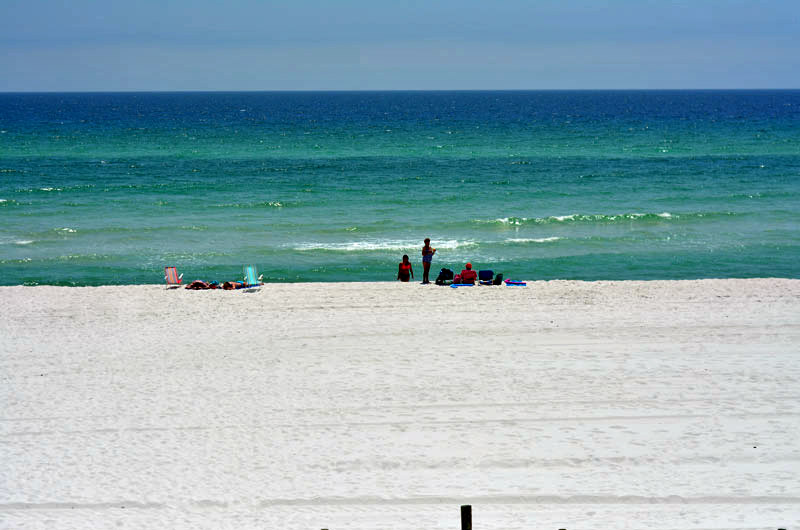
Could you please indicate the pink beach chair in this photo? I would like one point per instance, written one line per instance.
(171, 277)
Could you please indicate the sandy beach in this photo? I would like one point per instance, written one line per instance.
(578, 405)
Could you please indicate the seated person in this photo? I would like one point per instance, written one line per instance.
(468, 275)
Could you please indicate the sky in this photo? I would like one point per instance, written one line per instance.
(148, 45)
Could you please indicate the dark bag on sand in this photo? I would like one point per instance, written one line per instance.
(445, 277)
(498, 280)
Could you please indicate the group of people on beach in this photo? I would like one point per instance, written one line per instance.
(405, 271)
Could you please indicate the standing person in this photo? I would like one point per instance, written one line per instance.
(405, 270)
(427, 257)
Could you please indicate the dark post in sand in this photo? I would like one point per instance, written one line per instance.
(466, 517)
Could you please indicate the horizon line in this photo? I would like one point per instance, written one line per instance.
(339, 90)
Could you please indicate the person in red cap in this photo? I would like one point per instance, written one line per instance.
(468, 275)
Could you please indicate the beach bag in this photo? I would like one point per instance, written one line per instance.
(498, 280)
(445, 277)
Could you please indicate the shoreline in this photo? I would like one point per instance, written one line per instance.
(385, 282)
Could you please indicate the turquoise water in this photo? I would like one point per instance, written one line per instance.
(109, 188)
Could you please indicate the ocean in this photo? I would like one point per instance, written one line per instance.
(109, 188)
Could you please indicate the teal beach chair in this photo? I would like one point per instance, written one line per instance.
(251, 277)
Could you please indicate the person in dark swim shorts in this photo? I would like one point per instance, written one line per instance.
(427, 258)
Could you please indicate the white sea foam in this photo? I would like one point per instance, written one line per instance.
(509, 220)
(355, 246)
(533, 240)
(67, 229)
(50, 189)
(369, 245)
(635, 215)
(23, 242)
(273, 204)
(515, 221)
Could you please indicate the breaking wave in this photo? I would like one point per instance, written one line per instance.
(599, 218)
(258, 204)
(379, 245)
(519, 240)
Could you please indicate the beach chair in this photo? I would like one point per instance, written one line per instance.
(251, 277)
(172, 278)
(485, 277)
(445, 277)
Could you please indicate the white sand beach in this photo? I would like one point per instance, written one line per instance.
(577, 405)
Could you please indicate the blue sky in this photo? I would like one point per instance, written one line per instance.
(369, 45)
